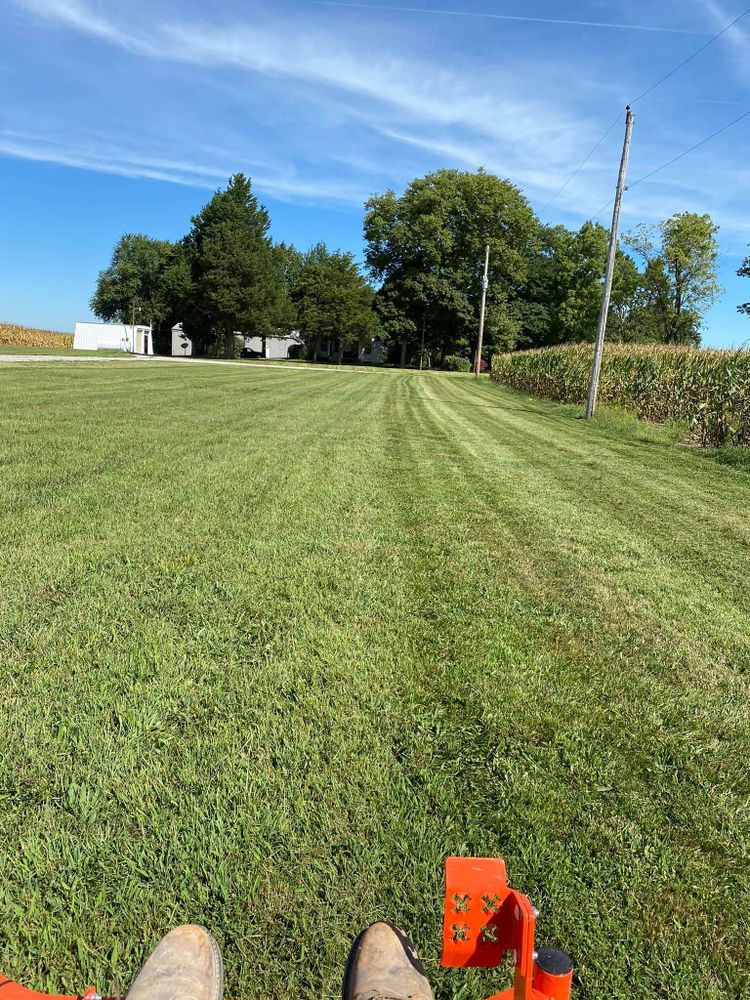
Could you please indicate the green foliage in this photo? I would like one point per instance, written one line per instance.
(564, 292)
(679, 282)
(289, 262)
(744, 272)
(426, 251)
(707, 390)
(237, 281)
(427, 248)
(332, 300)
(452, 363)
(146, 282)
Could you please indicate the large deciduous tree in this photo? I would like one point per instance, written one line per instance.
(333, 301)
(679, 281)
(562, 299)
(237, 282)
(427, 250)
(146, 282)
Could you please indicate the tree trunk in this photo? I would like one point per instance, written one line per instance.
(229, 343)
(316, 349)
(263, 345)
(360, 349)
(340, 353)
(403, 353)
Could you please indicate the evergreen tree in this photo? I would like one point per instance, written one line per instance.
(237, 284)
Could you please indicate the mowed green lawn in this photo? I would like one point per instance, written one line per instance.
(274, 643)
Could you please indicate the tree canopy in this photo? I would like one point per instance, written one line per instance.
(236, 281)
(427, 248)
(146, 282)
(333, 300)
(425, 254)
(562, 299)
(679, 281)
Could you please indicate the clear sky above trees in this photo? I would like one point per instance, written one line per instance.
(363, 101)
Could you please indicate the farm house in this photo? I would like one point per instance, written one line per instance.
(272, 348)
(113, 337)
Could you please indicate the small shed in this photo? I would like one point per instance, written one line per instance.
(182, 345)
(113, 337)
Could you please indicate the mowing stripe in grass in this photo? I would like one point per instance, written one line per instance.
(273, 649)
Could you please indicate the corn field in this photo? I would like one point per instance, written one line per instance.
(708, 390)
(12, 335)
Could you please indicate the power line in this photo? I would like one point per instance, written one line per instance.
(649, 90)
(581, 165)
(618, 26)
(692, 56)
(674, 159)
(690, 150)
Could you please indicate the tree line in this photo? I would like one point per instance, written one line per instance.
(420, 287)
(227, 276)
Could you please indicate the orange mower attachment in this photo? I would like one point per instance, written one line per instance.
(12, 991)
(484, 919)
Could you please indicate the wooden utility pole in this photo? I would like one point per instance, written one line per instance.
(485, 286)
(611, 258)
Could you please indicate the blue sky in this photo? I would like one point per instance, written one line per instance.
(124, 116)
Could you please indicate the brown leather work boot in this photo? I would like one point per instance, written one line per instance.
(185, 965)
(384, 966)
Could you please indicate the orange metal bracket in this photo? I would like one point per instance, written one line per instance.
(484, 919)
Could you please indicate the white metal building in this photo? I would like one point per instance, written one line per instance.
(275, 347)
(113, 337)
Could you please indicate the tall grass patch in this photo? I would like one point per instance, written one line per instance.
(708, 390)
(12, 335)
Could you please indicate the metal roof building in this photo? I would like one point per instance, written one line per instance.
(113, 337)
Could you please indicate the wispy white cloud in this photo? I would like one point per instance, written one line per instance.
(418, 91)
(80, 17)
(487, 15)
(102, 155)
(388, 89)
(389, 104)
(41, 151)
(536, 179)
(738, 36)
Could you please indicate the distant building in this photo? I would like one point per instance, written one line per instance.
(274, 348)
(375, 355)
(182, 345)
(253, 347)
(113, 337)
(364, 354)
